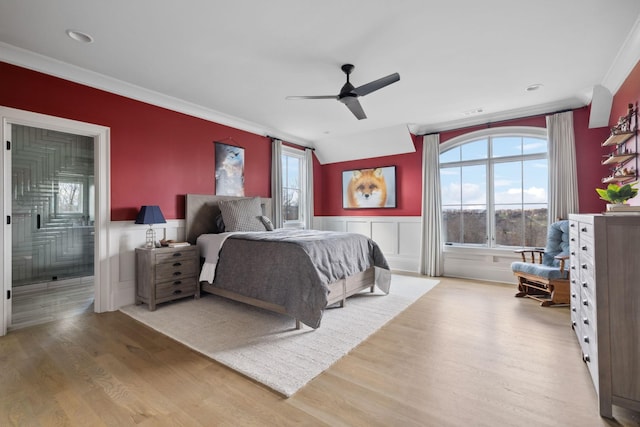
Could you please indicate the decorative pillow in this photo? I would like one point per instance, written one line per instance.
(242, 214)
(267, 222)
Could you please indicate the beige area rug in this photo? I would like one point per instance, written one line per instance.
(265, 346)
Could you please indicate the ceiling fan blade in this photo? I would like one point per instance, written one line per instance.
(353, 104)
(313, 97)
(376, 84)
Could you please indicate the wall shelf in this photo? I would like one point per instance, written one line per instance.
(618, 158)
(618, 138)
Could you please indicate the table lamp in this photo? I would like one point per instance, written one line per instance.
(150, 215)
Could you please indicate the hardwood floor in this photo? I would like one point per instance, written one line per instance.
(465, 354)
(44, 302)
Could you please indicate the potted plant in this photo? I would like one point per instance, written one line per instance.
(616, 194)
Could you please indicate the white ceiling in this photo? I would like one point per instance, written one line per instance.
(235, 62)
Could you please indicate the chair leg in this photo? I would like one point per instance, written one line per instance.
(522, 288)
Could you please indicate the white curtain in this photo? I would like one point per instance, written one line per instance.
(563, 181)
(276, 182)
(308, 190)
(432, 257)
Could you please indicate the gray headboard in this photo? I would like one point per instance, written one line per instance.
(201, 211)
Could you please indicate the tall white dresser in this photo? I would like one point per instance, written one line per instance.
(605, 304)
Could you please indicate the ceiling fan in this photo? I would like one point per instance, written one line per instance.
(349, 95)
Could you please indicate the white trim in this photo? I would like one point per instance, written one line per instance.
(54, 67)
(540, 132)
(627, 58)
(104, 300)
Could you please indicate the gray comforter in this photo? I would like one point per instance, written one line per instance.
(292, 268)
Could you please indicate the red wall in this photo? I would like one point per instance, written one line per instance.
(409, 171)
(157, 155)
(328, 185)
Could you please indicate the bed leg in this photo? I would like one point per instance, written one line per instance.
(298, 325)
(372, 289)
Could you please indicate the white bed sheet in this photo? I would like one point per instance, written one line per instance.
(209, 246)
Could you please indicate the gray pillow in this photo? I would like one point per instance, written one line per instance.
(242, 214)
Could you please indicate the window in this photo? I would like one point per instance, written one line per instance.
(293, 184)
(494, 187)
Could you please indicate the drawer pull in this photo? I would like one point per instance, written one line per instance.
(585, 321)
(586, 339)
(573, 239)
(177, 291)
(573, 253)
(584, 266)
(573, 309)
(574, 324)
(584, 248)
(177, 282)
(573, 294)
(583, 229)
(585, 302)
(177, 264)
(584, 284)
(177, 273)
(586, 358)
(572, 225)
(177, 254)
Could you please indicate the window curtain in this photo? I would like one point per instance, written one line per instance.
(432, 257)
(276, 182)
(563, 181)
(308, 190)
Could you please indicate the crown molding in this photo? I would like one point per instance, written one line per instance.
(47, 65)
(627, 57)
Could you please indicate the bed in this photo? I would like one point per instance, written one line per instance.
(295, 272)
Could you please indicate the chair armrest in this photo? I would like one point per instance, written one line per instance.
(562, 259)
(532, 254)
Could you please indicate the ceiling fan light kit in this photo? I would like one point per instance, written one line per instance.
(349, 95)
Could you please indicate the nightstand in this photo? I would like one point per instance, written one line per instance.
(166, 274)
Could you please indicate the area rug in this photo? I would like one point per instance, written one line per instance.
(265, 346)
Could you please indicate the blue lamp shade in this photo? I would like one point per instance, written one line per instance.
(150, 215)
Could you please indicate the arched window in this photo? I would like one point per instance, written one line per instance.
(494, 187)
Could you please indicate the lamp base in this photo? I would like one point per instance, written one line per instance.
(151, 238)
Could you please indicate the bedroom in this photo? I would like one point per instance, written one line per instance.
(154, 158)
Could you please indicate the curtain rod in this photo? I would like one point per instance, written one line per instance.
(292, 143)
(488, 124)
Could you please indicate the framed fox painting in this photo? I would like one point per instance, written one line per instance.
(369, 188)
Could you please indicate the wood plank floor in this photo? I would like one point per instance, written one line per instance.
(465, 354)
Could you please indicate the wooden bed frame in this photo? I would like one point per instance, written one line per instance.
(200, 213)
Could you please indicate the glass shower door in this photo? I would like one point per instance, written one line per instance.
(52, 205)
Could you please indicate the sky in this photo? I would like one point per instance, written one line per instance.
(515, 181)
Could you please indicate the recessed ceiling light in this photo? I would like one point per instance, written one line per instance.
(533, 87)
(79, 36)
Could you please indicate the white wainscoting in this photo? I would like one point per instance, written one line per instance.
(400, 237)
(124, 238)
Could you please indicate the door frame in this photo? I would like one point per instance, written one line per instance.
(104, 298)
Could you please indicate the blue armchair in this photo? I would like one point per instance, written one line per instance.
(545, 275)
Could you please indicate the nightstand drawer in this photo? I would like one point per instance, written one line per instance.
(176, 288)
(175, 269)
(176, 255)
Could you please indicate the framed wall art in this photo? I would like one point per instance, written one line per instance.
(369, 188)
(229, 170)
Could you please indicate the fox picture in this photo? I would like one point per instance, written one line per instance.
(367, 188)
